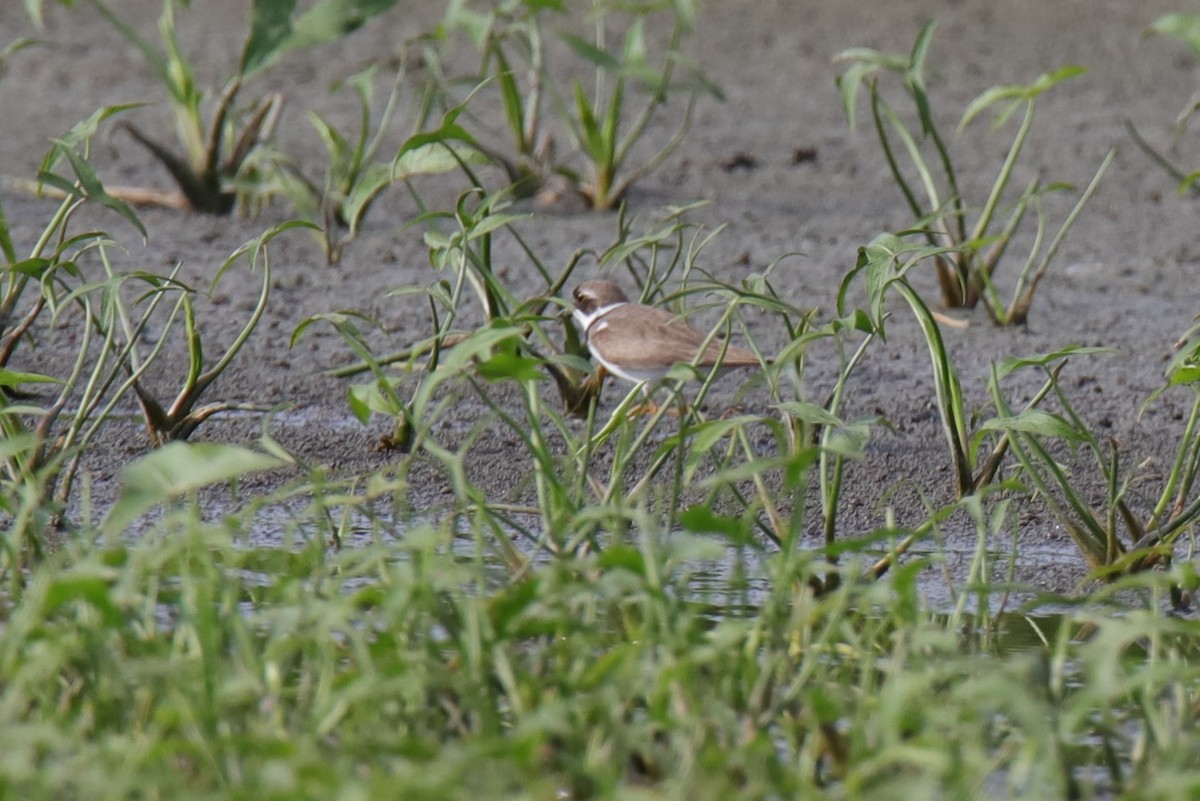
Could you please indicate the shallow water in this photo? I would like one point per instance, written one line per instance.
(737, 583)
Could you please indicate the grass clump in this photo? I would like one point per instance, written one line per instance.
(1126, 531)
(602, 120)
(198, 663)
(123, 320)
(930, 183)
(217, 158)
(45, 439)
(977, 447)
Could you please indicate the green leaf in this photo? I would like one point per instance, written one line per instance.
(368, 399)
(1013, 363)
(1184, 374)
(1036, 421)
(92, 188)
(11, 378)
(375, 179)
(920, 49)
(1185, 27)
(476, 347)
(93, 590)
(507, 605)
(514, 107)
(434, 158)
(590, 53)
(703, 520)
(177, 469)
(335, 144)
(6, 244)
(883, 262)
(809, 413)
(623, 557)
(1187, 183)
(326, 21)
(270, 27)
(83, 131)
(34, 268)
(710, 432)
(1016, 93)
(848, 83)
(17, 444)
(589, 126)
(506, 365)
(849, 441)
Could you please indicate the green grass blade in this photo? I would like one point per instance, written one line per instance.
(177, 469)
(270, 27)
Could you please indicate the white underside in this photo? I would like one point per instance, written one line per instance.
(635, 376)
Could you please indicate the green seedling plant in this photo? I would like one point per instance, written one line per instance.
(460, 247)
(506, 34)
(353, 179)
(17, 313)
(486, 680)
(595, 118)
(463, 249)
(1185, 28)
(355, 176)
(930, 184)
(177, 419)
(598, 120)
(809, 422)
(44, 439)
(977, 452)
(1122, 534)
(215, 159)
(215, 152)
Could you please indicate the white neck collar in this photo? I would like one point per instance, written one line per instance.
(585, 320)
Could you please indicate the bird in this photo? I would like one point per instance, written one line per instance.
(640, 343)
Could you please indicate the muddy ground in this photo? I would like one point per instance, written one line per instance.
(1125, 279)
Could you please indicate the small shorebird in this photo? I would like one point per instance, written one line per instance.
(641, 343)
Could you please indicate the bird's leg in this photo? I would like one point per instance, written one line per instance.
(594, 384)
(679, 408)
(647, 406)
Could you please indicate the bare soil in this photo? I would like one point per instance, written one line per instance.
(779, 169)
